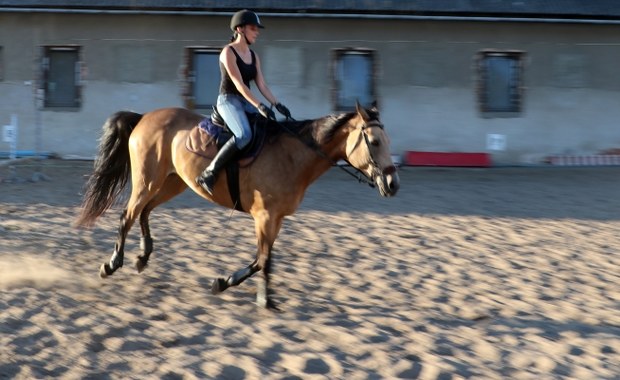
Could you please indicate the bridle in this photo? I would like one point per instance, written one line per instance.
(359, 175)
(375, 170)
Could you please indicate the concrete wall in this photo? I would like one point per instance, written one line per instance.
(426, 80)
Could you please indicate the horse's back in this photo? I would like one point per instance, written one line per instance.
(161, 134)
(164, 126)
(171, 118)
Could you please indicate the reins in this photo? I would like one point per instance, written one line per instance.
(359, 175)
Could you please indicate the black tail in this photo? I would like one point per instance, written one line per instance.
(111, 169)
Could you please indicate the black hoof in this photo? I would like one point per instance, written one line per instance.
(268, 304)
(141, 264)
(105, 270)
(273, 306)
(219, 285)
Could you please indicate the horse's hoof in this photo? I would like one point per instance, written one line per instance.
(105, 270)
(268, 304)
(141, 264)
(273, 306)
(219, 285)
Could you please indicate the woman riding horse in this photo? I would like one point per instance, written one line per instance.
(239, 65)
(152, 148)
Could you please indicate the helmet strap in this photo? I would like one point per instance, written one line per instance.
(243, 34)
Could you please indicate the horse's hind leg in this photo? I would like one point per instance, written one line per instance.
(140, 196)
(116, 261)
(172, 187)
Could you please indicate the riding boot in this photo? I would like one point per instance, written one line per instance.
(209, 176)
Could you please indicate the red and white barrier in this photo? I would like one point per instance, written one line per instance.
(591, 160)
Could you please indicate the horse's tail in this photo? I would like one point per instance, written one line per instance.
(111, 169)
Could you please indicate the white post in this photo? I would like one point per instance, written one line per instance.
(38, 105)
(9, 135)
(13, 142)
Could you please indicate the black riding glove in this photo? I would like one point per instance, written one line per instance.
(283, 110)
(266, 112)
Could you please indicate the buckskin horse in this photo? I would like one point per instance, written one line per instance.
(152, 148)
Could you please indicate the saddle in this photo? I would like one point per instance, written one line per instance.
(206, 138)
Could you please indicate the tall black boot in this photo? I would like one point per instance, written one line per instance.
(209, 176)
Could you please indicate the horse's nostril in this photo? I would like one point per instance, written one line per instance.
(393, 185)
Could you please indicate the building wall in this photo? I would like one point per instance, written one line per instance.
(426, 78)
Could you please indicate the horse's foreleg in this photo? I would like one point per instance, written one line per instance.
(220, 284)
(263, 298)
(267, 229)
(172, 186)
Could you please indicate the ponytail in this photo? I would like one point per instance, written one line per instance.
(233, 37)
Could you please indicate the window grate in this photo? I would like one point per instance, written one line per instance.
(500, 82)
(353, 78)
(61, 76)
(201, 77)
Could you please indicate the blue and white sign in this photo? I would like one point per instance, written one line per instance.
(9, 133)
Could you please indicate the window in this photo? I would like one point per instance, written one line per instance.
(61, 76)
(353, 78)
(500, 82)
(202, 77)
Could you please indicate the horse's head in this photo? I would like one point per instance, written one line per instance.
(368, 150)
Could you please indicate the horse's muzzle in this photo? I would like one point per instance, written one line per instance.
(388, 182)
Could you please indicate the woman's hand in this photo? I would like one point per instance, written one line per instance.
(283, 110)
(266, 112)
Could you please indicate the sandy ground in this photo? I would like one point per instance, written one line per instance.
(503, 273)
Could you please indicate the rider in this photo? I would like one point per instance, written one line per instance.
(239, 65)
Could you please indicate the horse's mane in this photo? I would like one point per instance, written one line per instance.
(318, 131)
(322, 130)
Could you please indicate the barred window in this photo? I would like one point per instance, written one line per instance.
(500, 82)
(202, 77)
(353, 78)
(61, 82)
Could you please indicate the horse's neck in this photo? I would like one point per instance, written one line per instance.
(312, 159)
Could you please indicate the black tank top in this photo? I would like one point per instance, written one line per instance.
(248, 73)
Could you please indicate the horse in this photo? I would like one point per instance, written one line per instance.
(152, 148)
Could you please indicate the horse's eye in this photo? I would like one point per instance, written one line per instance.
(375, 143)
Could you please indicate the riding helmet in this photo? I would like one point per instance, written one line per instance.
(244, 17)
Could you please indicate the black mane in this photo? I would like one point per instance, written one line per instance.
(317, 131)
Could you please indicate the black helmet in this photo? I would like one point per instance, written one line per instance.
(244, 17)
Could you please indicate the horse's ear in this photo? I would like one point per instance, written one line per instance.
(374, 107)
(361, 111)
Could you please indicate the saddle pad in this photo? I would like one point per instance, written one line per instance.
(206, 138)
(202, 139)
